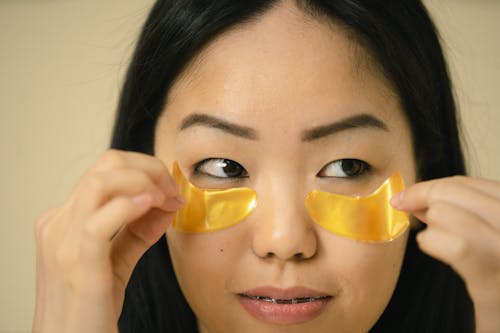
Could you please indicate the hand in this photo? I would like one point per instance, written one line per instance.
(463, 230)
(88, 247)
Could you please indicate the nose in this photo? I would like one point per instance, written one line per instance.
(282, 228)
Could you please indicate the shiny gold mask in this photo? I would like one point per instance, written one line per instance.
(369, 218)
(210, 210)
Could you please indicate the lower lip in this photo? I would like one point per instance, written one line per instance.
(284, 314)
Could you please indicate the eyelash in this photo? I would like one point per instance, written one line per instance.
(229, 163)
(361, 168)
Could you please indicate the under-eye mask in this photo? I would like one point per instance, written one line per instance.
(210, 210)
(369, 218)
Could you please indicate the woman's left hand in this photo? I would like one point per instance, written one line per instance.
(463, 230)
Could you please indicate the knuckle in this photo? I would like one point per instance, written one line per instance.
(39, 226)
(42, 225)
(112, 158)
(45, 234)
(42, 233)
(459, 178)
(95, 183)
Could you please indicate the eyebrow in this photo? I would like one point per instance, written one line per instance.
(357, 121)
(214, 122)
(316, 133)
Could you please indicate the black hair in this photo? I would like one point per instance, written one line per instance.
(404, 43)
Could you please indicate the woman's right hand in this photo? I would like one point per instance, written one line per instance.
(88, 247)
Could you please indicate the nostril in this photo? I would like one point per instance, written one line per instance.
(298, 256)
(294, 244)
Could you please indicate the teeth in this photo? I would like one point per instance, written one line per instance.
(286, 301)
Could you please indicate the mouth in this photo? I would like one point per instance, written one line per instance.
(286, 301)
(284, 306)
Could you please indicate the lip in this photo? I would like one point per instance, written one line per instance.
(284, 306)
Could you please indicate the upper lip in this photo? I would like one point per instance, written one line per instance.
(284, 294)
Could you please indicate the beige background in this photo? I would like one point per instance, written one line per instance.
(61, 65)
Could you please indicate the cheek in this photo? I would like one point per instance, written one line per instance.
(197, 253)
(203, 265)
(368, 274)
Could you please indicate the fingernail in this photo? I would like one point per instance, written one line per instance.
(397, 199)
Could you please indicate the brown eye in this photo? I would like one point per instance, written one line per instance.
(221, 168)
(344, 168)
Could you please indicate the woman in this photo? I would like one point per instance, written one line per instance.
(282, 97)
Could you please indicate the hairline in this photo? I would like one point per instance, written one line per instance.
(363, 56)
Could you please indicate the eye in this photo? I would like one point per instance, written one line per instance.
(220, 168)
(345, 168)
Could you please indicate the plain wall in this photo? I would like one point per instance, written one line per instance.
(61, 66)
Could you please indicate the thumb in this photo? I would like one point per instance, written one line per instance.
(135, 239)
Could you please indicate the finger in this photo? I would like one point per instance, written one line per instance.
(442, 245)
(154, 167)
(421, 196)
(469, 260)
(40, 225)
(132, 241)
(99, 187)
(48, 233)
(479, 268)
(448, 248)
(460, 222)
(120, 211)
(43, 239)
(487, 186)
(107, 221)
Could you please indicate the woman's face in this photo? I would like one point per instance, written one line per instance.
(275, 95)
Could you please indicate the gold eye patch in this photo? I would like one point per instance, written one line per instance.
(210, 210)
(369, 218)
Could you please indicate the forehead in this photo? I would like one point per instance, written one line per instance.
(286, 62)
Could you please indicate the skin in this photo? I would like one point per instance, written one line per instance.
(88, 246)
(302, 74)
(463, 229)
